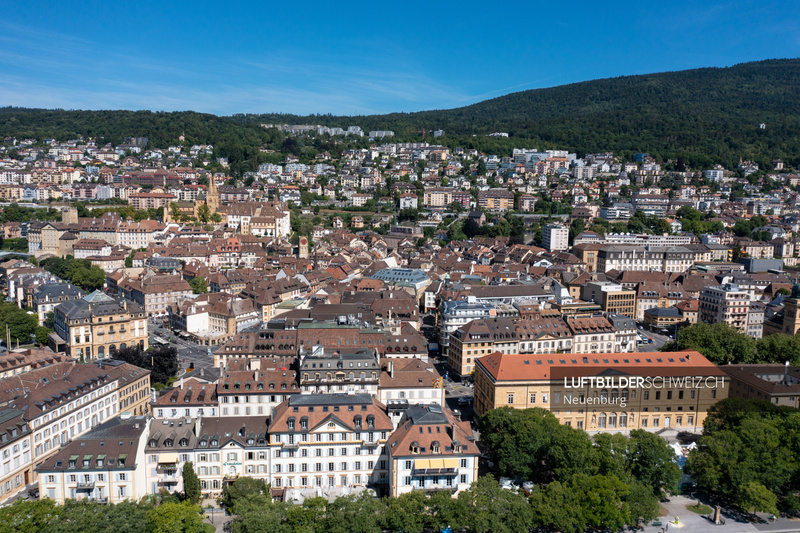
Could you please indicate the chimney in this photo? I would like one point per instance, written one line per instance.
(181, 383)
(390, 368)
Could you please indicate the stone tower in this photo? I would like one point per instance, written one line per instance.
(303, 247)
(791, 314)
(212, 198)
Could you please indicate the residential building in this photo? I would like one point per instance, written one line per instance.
(256, 386)
(15, 447)
(726, 303)
(496, 200)
(20, 361)
(48, 296)
(342, 372)
(190, 398)
(406, 382)
(106, 464)
(555, 237)
(431, 451)
(331, 442)
(592, 334)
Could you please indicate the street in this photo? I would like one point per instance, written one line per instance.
(188, 351)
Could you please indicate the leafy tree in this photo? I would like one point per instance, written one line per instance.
(720, 343)
(406, 512)
(21, 324)
(518, 440)
(199, 285)
(495, 510)
(470, 228)
(15, 245)
(204, 213)
(354, 514)
(162, 361)
(652, 462)
(191, 483)
(756, 497)
(41, 333)
(241, 488)
(184, 517)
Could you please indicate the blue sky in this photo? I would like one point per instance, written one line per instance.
(357, 57)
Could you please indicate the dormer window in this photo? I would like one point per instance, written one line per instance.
(184, 442)
(168, 443)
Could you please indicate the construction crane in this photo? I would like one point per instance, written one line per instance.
(422, 131)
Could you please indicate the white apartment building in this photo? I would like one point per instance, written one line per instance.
(15, 450)
(555, 237)
(456, 313)
(726, 303)
(104, 465)
(406, 382)
(334, 443)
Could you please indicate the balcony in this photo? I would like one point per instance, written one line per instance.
(85, 485)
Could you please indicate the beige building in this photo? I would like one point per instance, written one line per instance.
(97, 325)
(672, 390)
(612, 297)
(773, 383)
(104, 465)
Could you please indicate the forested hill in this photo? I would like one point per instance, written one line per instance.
(706, 116)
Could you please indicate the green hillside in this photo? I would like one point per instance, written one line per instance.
(706, 116)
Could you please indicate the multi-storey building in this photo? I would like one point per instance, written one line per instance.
(406, 382)
(456, 313)
(496, 200)
(48, 296)
(726, 303)
(431, 451)
(546, 333)
(612, 297)
(661, 390)
(155, 293)
(330, 442)
(191, 398)
(21, 361)
(776, 384)
(66, 400)
(256, 386)
(592, 334)
(105, 464)
(555, 237)
(16, 449)
(97, 325)
(343, 372)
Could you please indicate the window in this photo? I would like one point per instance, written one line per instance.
(510, 399)
(533, 398)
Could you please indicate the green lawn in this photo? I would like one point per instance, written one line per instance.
(700, 509)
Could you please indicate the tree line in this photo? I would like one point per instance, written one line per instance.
(721, 344)
(748, 456)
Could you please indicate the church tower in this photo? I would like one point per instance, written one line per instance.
(212, 198)
(791, 312)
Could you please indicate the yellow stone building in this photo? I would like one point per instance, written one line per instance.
(605, 392)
